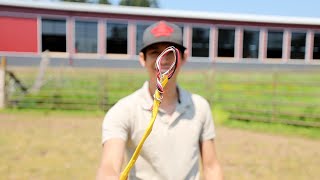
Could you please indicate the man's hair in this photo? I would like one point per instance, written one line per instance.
(144, 51)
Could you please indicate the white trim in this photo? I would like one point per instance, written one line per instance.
(263, 43)
(131, 42)
(22, 54)
(55, 17)
(199, 59)
(95, 8)
(286, 45)
(213, 43)
(309, 46)
(85, 19)
(73, 34)
(17, 14)
(238, 44)
(69, 35)
(39, 34)
(86, 56)
(117, 56)
(102, 37)
(187, 33)
(190, 32)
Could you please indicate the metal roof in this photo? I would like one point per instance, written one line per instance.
(142, 11)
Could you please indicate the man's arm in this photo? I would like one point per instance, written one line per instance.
(210, 164)
(112, 158)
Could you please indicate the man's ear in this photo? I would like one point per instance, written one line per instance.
(184, 57)
(142, 59)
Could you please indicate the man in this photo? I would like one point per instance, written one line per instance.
(183, 133)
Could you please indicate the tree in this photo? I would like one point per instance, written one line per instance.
(140, 3)
(83, 1)
(104, 2)
(90, 1)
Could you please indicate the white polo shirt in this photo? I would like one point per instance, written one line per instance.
(171, 152)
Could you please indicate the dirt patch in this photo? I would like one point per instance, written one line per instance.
(69, 144)
(251, 155)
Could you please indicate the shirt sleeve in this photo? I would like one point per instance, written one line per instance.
(208, 130)
(115, 123)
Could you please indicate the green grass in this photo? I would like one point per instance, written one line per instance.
(222, 118)
(45, 112)
(275, 128)
(289, 95)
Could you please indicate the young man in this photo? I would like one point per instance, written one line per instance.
(183, 133)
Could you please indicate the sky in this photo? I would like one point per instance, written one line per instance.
(297, 8)
(300, 8)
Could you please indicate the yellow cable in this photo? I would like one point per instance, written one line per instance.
(156, 104)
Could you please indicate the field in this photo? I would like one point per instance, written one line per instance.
(55, 133)
(288, 97)
(66, 145)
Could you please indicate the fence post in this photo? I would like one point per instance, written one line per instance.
(211, 85)
(274, 95)
(3, 94)
(45, 59)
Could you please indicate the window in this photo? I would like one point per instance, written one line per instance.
(54, 35)
(316, 46)
(226, 42)
(250, 44)
(298, 45)
(86, 37)
(117, 38)
(274, 46)
(139, 36)
(200, 42)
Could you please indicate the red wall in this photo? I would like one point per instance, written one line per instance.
(18, 34)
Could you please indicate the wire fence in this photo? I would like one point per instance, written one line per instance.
(291, 102)
(269, 96)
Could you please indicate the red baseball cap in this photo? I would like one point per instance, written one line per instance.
(162, 31)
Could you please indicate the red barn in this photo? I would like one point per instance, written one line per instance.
(104, 32)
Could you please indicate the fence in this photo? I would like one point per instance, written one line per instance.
(3, 98)
(284, 97)
(269, 96)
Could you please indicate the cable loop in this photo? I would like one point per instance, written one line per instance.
(162, 79)
(168, 72)
(158, 99)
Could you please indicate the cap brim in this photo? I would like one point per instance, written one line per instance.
(174, 44)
